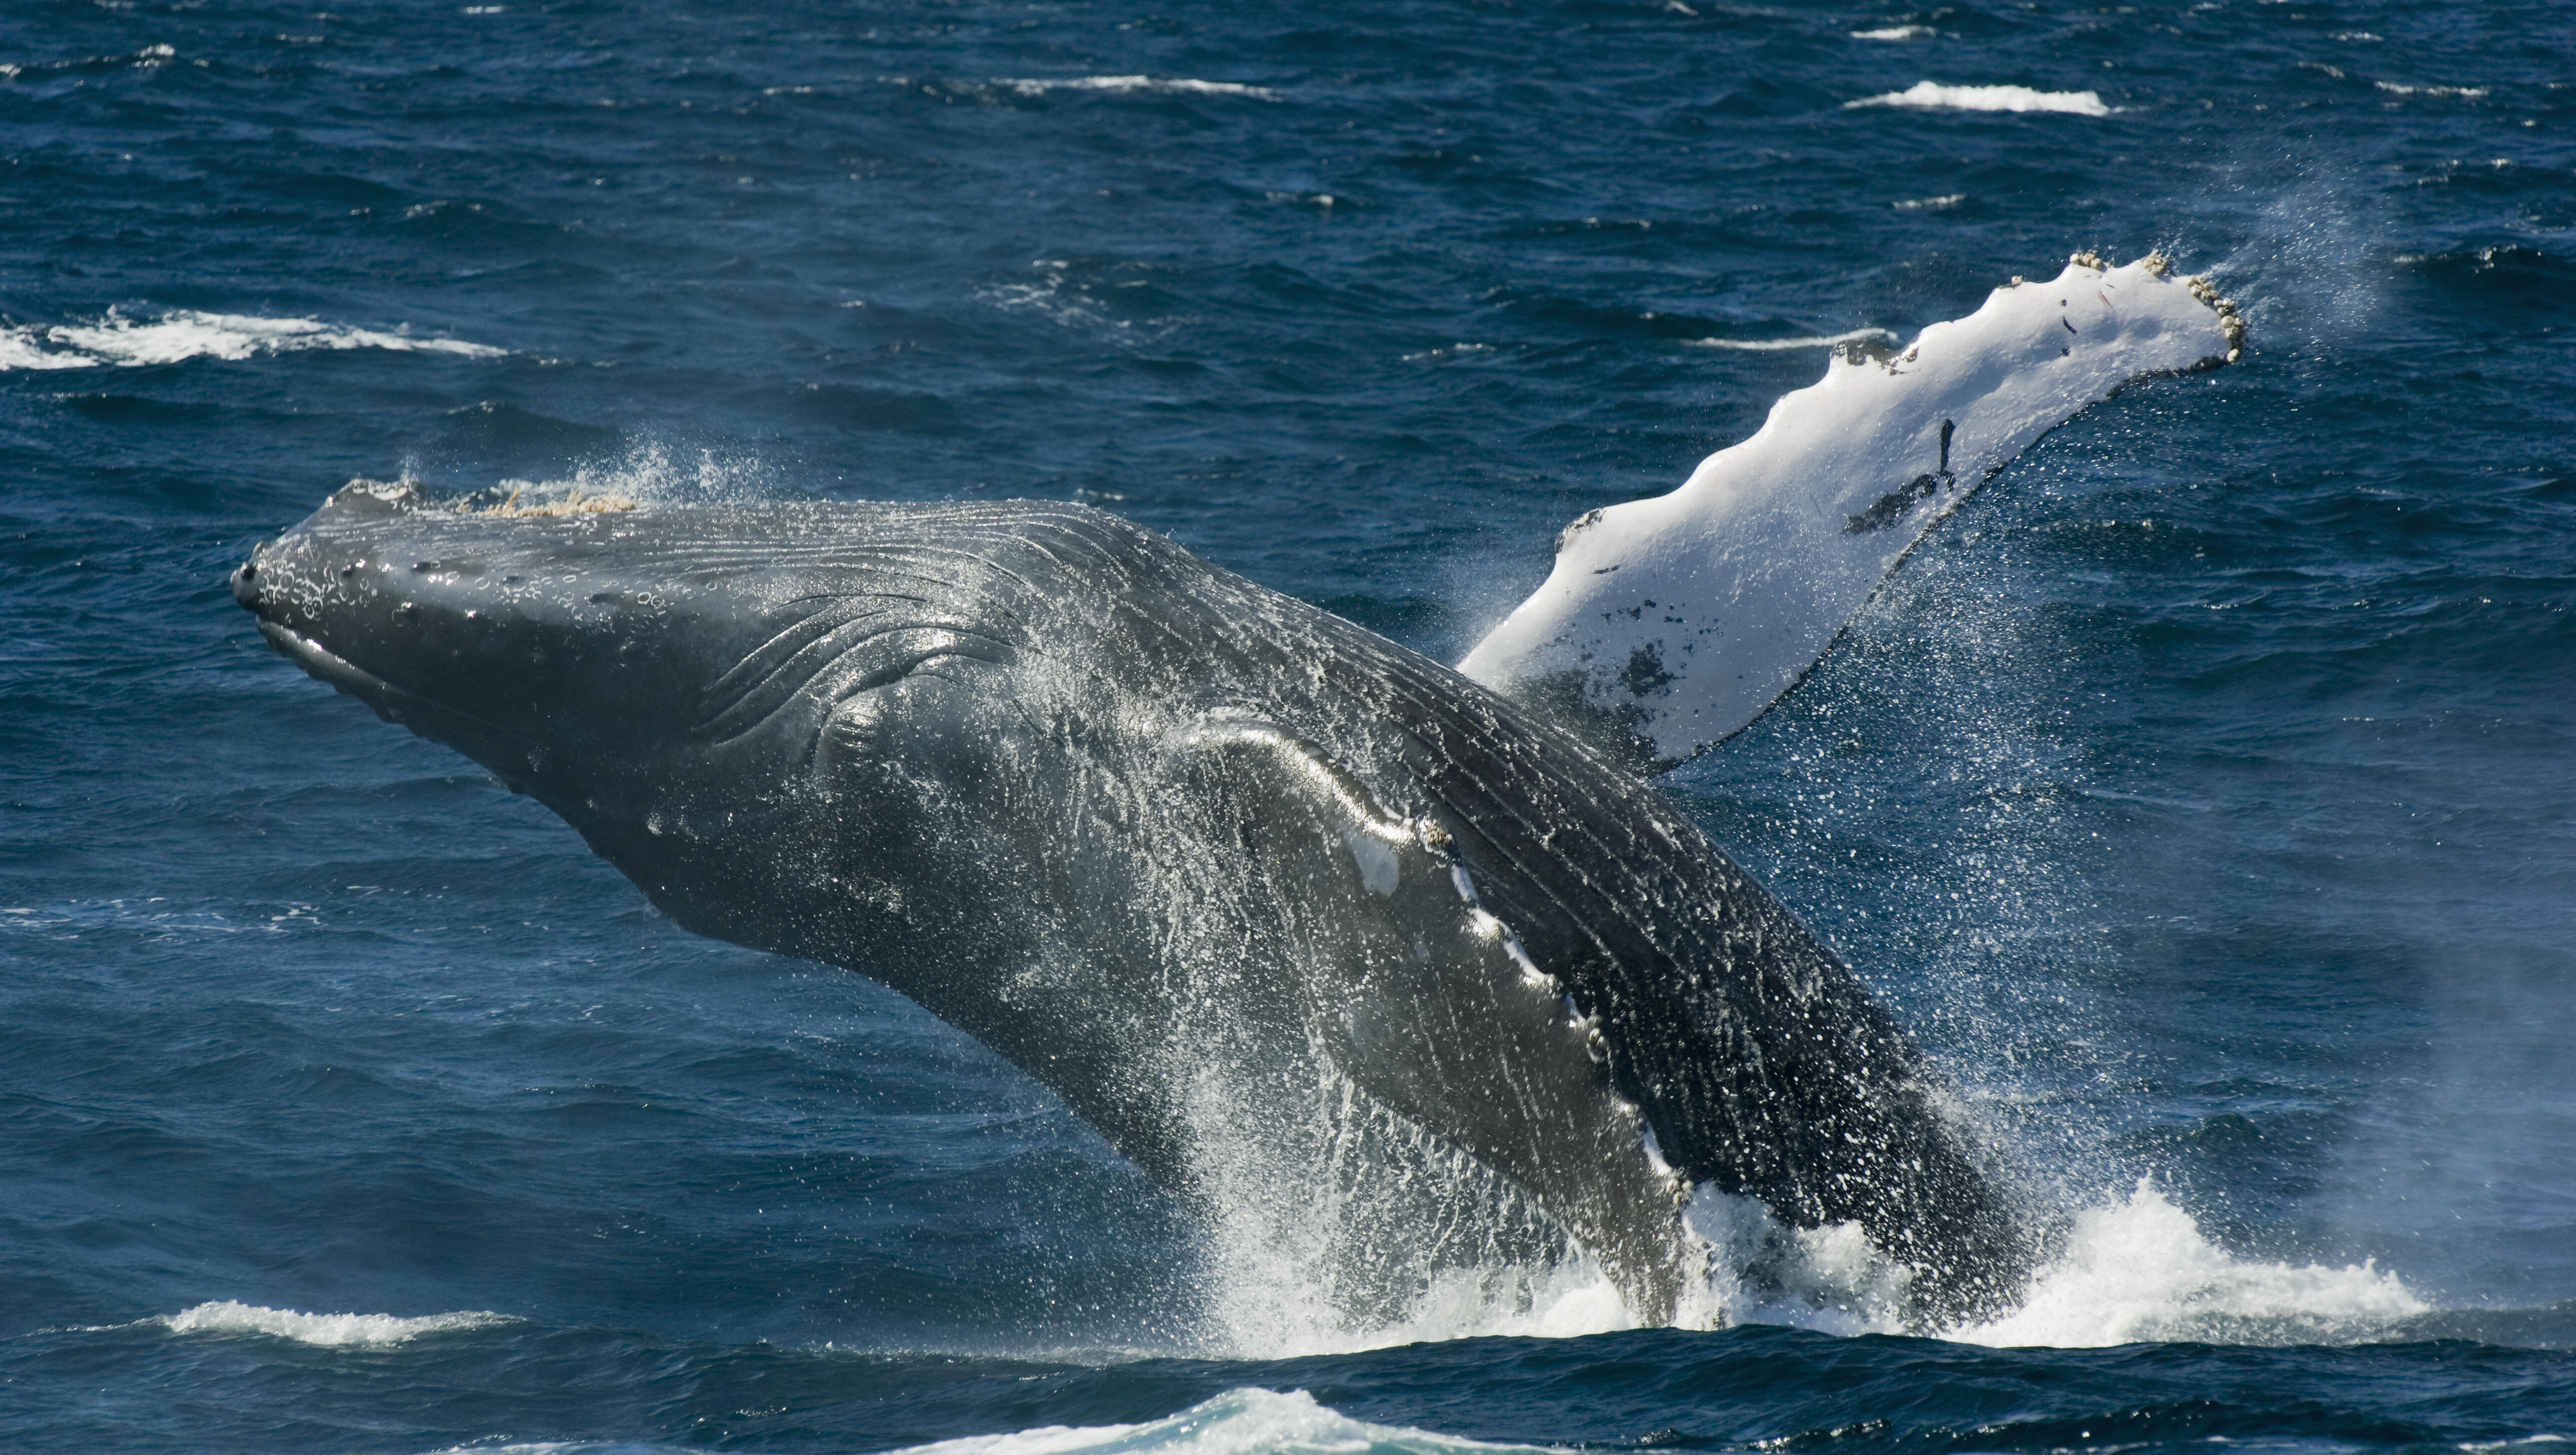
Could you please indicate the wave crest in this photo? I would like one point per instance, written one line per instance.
(1238, 1422)
(1932, 95)
(184, 334)
(367, 1330)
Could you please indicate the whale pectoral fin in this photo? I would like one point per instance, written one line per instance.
(1430, 1005)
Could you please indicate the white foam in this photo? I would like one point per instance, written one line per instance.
(1277, 1318)
(22, 348)
(1776, 345)
(1238, 1422)
(1761, 1272)
(1171, 86)
(2465, 93)
(2132, 1270)
(1684, 616)
(373, 1330)
(1300, 1265)
(1055, 296)
(184, 334)
(1942, 203)
(1932, 95)
(1896, 32)
(570, 1447)
(1075, 296)
(2140, 1270)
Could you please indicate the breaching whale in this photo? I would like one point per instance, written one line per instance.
(1228, 874)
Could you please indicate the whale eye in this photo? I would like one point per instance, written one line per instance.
(854, 728)
(933, 722)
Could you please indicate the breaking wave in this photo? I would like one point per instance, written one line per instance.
(1932, 95)
(1249, 1421)
(184, 334)
(1238, 1422)
(370, 1330)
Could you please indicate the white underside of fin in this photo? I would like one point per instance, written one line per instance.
(1683, 617)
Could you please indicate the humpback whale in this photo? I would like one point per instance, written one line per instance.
(1231, 876)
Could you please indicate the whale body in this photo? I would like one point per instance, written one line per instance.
(1243, 883)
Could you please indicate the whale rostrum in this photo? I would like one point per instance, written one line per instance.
(1241, 882)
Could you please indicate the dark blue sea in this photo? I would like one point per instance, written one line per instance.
(2202, 794)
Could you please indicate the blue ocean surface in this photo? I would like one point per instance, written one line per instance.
(2202, 795)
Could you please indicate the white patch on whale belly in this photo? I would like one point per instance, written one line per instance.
(1684, 616)
(1376, 861)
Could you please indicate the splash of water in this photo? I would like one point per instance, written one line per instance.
(2133, 1268)
(2140, 1269)
(651, 472)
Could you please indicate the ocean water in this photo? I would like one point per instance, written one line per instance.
(2199, 794)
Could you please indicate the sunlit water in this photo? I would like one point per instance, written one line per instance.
(2198, 794)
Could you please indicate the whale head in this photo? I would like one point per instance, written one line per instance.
(684, 686)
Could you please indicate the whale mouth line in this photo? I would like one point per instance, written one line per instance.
(393, 704)
(329, 665)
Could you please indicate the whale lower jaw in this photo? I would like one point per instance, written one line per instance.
(488, 743)
(331, 667)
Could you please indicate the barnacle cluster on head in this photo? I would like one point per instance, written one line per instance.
(1582, 523)
(2230, 322)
